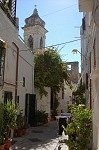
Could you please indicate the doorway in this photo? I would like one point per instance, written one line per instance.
(30, 109)
(7, 96)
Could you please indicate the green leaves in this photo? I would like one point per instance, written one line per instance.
(49, 71)
(1, 124)
(80, 127)
(80, 95)
(10, 114)
(7, 119)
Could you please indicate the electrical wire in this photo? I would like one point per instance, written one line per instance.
(50, 45)
(63, 9)
(21, 56)
(59, 10)
(36, 49)
(54, 45)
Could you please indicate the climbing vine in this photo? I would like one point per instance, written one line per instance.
(79, 94)
(49, 71)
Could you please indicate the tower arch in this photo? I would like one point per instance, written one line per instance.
(30, 42)
(41, 43)
(34, 31)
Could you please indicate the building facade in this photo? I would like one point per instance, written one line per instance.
(35, 32)
(16, 65)
(90, 49)
(65, 94)
(34, 37)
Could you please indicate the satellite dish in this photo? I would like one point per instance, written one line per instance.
(96, 16)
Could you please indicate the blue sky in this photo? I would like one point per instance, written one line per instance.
(63, 21)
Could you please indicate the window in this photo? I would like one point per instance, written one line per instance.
(86, 80)
(90, 62)
(90, 94)
(2, 61)
(69, 67)
(7, 96)
(94, 48)
(17, 99)
(63, 92)
(83, 24)
(41, 43)
(30, 42)
(23, 81)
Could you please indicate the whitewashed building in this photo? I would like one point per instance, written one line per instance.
(65, 95)
(16, 65)
(35, 36)
(90, 49)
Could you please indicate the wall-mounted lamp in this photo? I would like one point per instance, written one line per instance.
(74, 51)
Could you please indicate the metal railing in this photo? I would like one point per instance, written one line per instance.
(9, 14)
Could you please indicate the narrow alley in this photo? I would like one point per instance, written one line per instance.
(40, 138)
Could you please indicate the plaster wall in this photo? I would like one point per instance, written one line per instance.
(43, 104)
(93, 72)
(9, 33)
(67, 99)
(95, 113)
(36, 32)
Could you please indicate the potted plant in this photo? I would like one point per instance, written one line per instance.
(9, 122)
(1, 128)
(79, 129)
(41, 117)
(2, 143)
(20, 124)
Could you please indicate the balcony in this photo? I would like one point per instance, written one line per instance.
(10, 10)
(85, 5)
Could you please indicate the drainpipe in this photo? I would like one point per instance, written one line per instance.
(16, 78)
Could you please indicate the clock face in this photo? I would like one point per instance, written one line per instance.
(96, 16)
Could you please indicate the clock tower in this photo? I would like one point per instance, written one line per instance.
(34, 31)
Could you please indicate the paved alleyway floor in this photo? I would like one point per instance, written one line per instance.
(40, 138)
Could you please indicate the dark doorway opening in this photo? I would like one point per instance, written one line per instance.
(30, 109)
(7, 96)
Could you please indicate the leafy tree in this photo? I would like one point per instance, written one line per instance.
(49, 71)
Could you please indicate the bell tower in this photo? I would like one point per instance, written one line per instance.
(34, 31)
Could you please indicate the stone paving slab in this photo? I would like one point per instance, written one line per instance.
(40, 138)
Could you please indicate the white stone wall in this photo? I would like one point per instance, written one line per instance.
(93, 34)
(67, 100)
(9, 34)
(36, 32)
(43, 103)
(94, 76)
(26, 69)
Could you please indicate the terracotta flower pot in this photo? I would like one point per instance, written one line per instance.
(2, 147)
(24, 131)
(19, 132)
(8, 144)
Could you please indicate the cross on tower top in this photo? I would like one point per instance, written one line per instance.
(35, 6)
